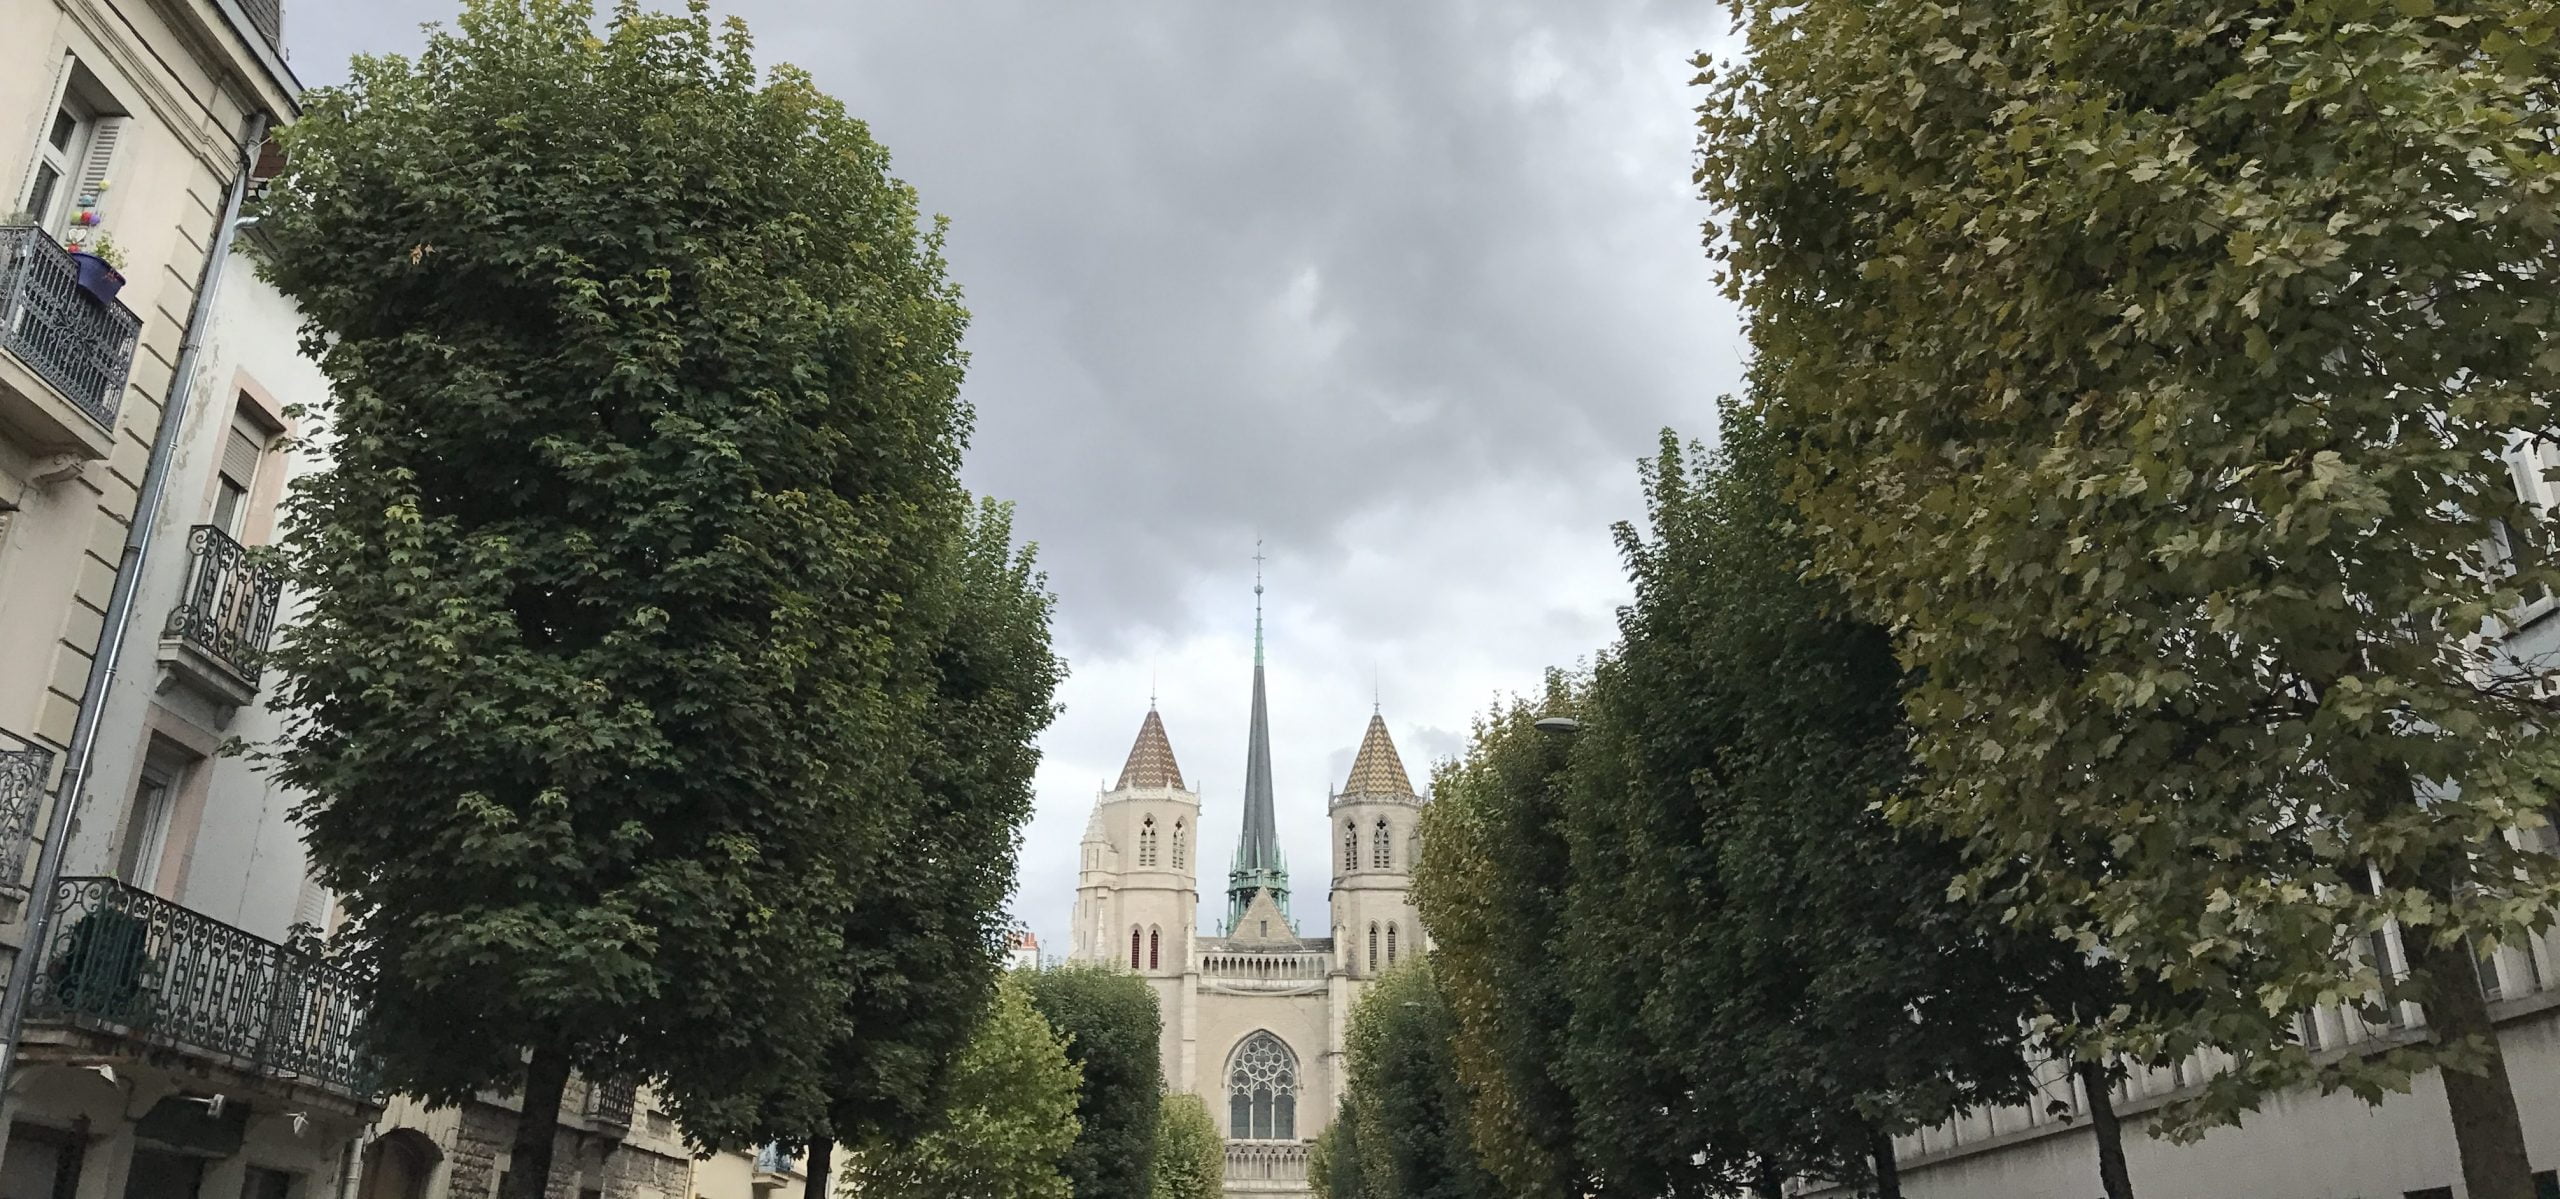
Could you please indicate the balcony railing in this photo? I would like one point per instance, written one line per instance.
(774, 1158)
(610, 1101)
(124, 961)
(1282, 973)
(228, 611)
(1266, 1161)
(24, 765)
(81, 347)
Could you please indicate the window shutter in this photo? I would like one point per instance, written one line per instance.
(100, 159)
(241, 452)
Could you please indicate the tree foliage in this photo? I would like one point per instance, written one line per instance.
(1404, 1108)
(1333, 1162)
(1114, 1035)
(2153, 377)
(1792, 969)
(1002, 1125)
(631, 592)
(1490, 887)
(1190, 1156)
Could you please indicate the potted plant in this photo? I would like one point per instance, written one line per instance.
(98, 265)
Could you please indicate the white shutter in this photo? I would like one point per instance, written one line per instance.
(2531, 461)
(90, 188)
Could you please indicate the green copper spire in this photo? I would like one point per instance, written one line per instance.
(1258, 865)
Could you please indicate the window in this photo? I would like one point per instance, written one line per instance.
(2428, 1193)
(1147, 841)
(2387, 965)
(1133, 949)
(1373, 947)
(2307, 1028)
(59, 157)
(244, 450)
(263, 1183)
(1155, 938)
(1391, 944)
(1178, 846)
(1350, 845)
(1262, 1091)
(2484, 960)
(146, 826)
(1382, 846)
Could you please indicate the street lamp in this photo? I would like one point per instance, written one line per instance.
(1559, 726)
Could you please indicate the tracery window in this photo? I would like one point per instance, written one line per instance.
(1373, 947)
(1155, 938)
(1262, 1090)
(1147, 841)
(1133, 948)
(1382, 847)
(1391, 944)
(1178, 846)
(1350, 845)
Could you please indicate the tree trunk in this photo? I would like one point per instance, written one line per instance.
(546, 1079)
(2113, 1178)
(1768, 1185)
(1888, 1170)
(822, 1156)
(2487, 1130)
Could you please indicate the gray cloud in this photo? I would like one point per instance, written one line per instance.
(1403, 289)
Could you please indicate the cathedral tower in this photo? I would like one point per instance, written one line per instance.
(1376, 837)
(1137, 886)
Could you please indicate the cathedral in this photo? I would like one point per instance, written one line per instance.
(1255, 1018)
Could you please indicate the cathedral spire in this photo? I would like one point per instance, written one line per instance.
(1258, 865)
(1151, 761)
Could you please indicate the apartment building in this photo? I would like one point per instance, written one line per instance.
(2299, 1145)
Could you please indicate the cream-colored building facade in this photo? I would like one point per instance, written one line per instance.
(1255, 1019)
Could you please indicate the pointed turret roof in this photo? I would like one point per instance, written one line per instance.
(1151, 761)
(1378, 769)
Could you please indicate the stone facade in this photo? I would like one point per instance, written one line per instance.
(1255, 1019)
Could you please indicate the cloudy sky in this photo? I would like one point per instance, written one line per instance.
(1401, 291)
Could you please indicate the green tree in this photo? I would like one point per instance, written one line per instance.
(646, 427)
(925, 940)
(1191, 1158)
(1333, 1163)
(2152, 375)
(1114, 1035)
(1404, 1099)
(1004, 1122)
(1809, 975)
(1490, 887)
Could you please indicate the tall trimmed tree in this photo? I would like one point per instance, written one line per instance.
(647, 419)
(1191, 1156)
(1404, 1103)
(1000, 1126)
(1114, 1035)
(2154, 375)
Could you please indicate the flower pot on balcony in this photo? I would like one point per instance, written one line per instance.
(100, 280)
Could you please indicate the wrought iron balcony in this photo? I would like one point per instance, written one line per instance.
(610, 1101)
(228, 611)
(24, 766)
(125, 962)
(80, 347)
(775, 1158)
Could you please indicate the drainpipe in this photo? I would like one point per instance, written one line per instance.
(119, 616)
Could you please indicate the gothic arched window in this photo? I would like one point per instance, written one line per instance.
(1178, 845)
(1147, 841)
(1391, 944)
(1262, 1091)
(1350, 845)
(1155, 939)
(1133, 948)
(1382, 847)
(1373, 947)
